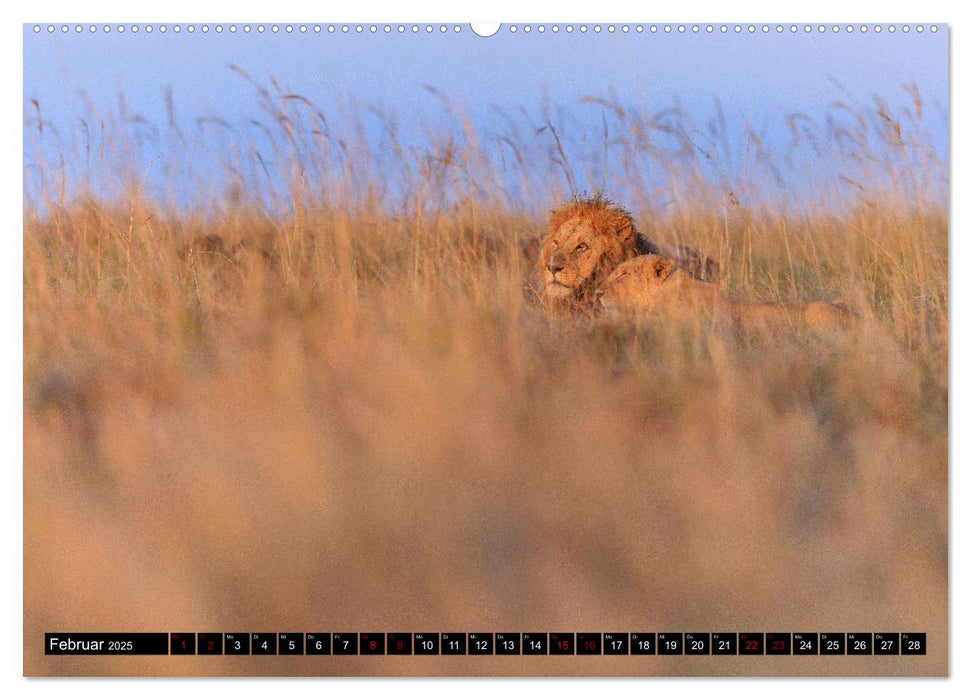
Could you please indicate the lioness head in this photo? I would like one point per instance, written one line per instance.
(587, 239)
(635, 283)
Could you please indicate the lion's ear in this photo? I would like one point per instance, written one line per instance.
(626, 232)
(662, 267)
(531, 249)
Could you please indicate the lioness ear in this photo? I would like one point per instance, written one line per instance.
(663, 267)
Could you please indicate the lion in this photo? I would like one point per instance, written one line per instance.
(212, 246)
(653, 283)
(587, 239)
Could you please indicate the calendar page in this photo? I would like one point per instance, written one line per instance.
(553, 349)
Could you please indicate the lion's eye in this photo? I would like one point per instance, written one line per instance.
(555, 243)
(580, 247)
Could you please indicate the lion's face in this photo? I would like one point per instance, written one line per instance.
(570, 256)
(636, 283)
(586, 241)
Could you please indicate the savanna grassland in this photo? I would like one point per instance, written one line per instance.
(324, 395)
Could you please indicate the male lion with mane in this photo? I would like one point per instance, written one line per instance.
(654, 284)
(587, 239)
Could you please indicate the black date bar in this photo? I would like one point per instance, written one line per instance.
(106, 643)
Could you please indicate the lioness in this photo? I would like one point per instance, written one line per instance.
(654, 283)
(587, 239)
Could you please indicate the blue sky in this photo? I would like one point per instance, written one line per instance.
(758, 77)
(753, 73)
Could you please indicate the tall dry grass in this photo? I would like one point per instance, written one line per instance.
(351, 414)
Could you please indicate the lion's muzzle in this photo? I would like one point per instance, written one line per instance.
(554, 267)
(556, 263)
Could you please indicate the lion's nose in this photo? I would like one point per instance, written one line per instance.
(554, 266)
